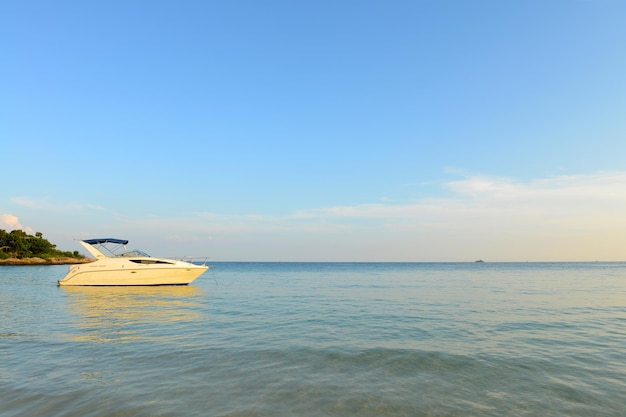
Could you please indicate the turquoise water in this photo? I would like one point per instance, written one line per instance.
(320, 339)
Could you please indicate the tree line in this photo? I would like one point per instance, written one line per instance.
(18, 244)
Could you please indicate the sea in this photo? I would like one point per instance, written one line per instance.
(320, 339)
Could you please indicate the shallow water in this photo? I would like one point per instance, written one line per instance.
(320, 339)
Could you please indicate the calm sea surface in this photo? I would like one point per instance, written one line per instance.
(320, 339)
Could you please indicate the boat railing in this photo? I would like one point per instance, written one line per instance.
(196, 260)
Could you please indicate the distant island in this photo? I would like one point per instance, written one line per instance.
(19, 248)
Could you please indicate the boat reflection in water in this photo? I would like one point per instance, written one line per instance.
(126, 314)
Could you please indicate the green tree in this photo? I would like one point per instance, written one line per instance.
(19, 244)
(38, 245)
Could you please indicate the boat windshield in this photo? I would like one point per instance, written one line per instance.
(134, 253)
(115, 248)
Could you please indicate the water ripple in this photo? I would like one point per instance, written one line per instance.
(320, 340)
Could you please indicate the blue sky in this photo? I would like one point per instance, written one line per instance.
(318, 131)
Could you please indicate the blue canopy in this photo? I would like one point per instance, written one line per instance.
(106, 240)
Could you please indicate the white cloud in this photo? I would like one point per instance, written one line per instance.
(577, 217)
(485, 196)
(561, 218)
(44, 204)
(11, 222)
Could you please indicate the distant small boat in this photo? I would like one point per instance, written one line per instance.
(479, 261)
(119, 266)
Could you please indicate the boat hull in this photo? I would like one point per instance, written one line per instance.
(99, 275)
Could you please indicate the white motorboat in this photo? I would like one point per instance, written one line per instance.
(115, 265)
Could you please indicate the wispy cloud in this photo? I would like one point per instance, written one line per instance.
(564, 217)
(584, 194)
(46, 205)
(578, 217)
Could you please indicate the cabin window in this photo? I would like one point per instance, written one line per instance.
(150, 261)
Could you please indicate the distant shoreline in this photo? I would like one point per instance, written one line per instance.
(40, 261)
